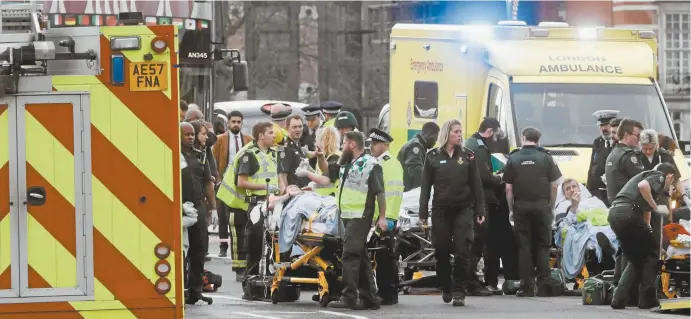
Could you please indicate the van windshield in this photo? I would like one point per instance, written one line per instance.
(563, 112)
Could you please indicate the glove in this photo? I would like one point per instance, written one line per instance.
(188, 208)
(214, 217)
(273, 189)
(662, 210)
(301, 172)
(511, 216)
(604, 180)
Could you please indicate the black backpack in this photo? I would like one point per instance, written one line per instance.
(211, 281)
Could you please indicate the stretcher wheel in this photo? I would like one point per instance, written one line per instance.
(324, 300)
(274, 297)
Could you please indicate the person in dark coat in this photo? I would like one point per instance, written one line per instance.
(602, 146)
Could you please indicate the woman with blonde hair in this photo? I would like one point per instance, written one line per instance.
(327, 141)
(458, 199)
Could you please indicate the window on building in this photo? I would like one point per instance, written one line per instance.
(677, 52)
(677, 117)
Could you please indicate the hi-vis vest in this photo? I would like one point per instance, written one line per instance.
(353, 189)
(330, 189)
(393, 184)
(231, 194)
(329, 123)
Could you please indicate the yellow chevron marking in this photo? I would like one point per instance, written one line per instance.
(138, 56)
(127, 233)
(5, 244)
(129, 134)
(50, 158)
(104, 300)
(49, 258)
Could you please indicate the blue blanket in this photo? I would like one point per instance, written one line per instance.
(301, 208)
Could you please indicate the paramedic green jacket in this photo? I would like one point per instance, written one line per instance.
(234, 196)
(352, 193)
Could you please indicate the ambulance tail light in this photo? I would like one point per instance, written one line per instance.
(159, 44)
(162, 268)
(163, 286)
(125, 43)
(162, 251)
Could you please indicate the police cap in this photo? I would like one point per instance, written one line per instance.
(331, 107)
(604, 116)
(280, 112)
(345, 119)
(377, 135)
(311, 110)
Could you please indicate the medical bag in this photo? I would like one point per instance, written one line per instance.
(510, 287)
(557, 284)
(597, 292)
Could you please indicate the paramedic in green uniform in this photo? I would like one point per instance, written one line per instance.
(387, 261)
(639, 197)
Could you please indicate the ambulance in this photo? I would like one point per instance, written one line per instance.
(550, 76)
(90, 210)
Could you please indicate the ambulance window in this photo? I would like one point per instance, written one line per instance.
(426, 99)
(494, 98)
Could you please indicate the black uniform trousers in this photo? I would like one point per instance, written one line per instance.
(387, 267)
(197, 252)
(477, 250)
(253, 243)
(452, 233)
(639, 247)
(533, 227)
(500, 244)
(358, 278)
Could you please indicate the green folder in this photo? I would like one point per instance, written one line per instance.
(498, 161)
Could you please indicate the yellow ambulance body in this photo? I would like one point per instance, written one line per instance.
(92, 224)
(552, 77)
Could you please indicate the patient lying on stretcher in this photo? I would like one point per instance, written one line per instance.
(301, 211)
(581, 224)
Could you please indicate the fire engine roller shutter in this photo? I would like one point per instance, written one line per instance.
(135, 189)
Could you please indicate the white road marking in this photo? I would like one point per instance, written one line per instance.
(231, 298)
(342, 314)
(255, 315)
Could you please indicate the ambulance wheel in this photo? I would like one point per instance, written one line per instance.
(274, 297)
(324, 300)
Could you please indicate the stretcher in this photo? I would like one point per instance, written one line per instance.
(675, 273)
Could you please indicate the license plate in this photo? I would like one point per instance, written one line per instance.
(148, 76)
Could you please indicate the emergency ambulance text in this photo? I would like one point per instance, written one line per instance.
(426, 66)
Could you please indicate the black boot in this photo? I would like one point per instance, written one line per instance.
(458, 299)
(446, 295)
(223, 253)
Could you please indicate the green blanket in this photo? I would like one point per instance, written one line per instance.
(596, 217)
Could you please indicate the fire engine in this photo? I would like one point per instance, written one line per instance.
(90, 208)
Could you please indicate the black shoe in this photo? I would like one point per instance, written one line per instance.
(223, 253)
(479, 291)
(239, 275)
(387, 302)
(207, 259)
(364, 304)
(446, 296)
(459, 301)
(341, 304)
(525, 293)
(617, 305)
(191, 298)
(208, 300)
(603, 242)
(648, 305)
(495, 290)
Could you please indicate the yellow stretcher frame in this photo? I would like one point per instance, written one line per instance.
(674, 302)
(310, 258)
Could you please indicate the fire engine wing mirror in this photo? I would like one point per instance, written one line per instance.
(36, 196)
(240, 76)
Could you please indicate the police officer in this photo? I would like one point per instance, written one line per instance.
(330, 109)
(196, 180)
(313, 114)
(361, 188)
(458, 200)
(627, 219)
(498, 227)
(290, 156)
(246, 185)
(602, 146)
(531, 187)
(279, 115)
(412, 154)
(387, 263)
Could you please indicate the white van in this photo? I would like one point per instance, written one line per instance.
(255, 111)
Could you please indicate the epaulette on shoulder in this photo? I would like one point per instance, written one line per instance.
(433, 151)
(544, 150)
(386, 157)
